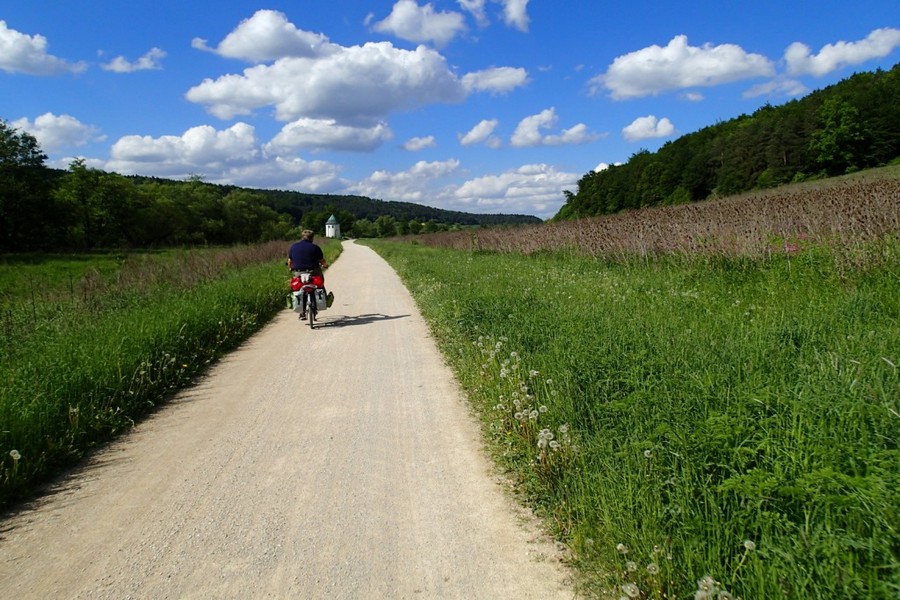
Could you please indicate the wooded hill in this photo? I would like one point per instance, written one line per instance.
(84, 208)
(852, 125)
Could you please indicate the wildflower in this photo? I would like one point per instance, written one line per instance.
(653, 568)
(622, 548)
(631, 590)
(15, 455)
(749, 545)
(631, 566)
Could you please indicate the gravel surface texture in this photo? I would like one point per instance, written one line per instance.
(340, 462)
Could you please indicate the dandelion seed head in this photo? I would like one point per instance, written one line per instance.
(15, 454)
(749, 545)
(648, 453)
(631, 590)
(533, 415)
(564, 428)
(554, 445)
(622, 548)
(543, 408)
(631, 566)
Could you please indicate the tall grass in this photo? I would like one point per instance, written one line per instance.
(691, 425)
(81, 365)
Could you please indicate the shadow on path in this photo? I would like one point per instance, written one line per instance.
(348, 320)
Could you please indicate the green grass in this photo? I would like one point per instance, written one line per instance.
(77, 373)
(695, 405)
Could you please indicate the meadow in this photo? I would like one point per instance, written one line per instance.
(91, 343)
(715, 424)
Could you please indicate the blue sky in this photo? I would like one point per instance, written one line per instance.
(475, 105)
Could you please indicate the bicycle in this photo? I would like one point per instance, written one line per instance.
(308, 292)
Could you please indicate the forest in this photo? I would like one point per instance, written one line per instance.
(85, 208)
(852, 125)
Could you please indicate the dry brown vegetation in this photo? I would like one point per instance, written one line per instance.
(839, 213)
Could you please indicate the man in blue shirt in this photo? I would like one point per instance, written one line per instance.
(305, 255)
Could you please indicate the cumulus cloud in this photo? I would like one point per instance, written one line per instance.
(358, 84)
(268, 35)
(327, 134)
(411, 185)
(515, 13)
(23, 53)
(149, 61)
(421, 24)
(231, 156)
(481, 134)
(54, 132)
(648, 127)
(530, 189)
(201, 147)
(497, 80)
(678, 65)
(878, 44)
(419, 143)
(529, 132)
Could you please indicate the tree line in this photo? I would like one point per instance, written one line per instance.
(84, 208)
(852, 125)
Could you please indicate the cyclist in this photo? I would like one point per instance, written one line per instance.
(305, 256)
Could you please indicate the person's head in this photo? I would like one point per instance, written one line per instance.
(307, 234)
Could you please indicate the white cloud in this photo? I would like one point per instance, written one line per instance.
(497, 80)
(515, 13)
(56, 132)
(359, 84)
(481, 134)
(22, 53)
(529, 132)
(658, 69)
(648, 127)
(476, 9)
(148, 61)
(777, 87)
(411, 185)
(199, 147)
(321, 134)
(230, 156)
(419, 143)
(268, 35)
(878, 44)
(530, 189)
(420, 24)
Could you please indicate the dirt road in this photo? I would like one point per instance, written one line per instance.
(363, 478)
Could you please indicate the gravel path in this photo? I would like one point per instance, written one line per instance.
(361, 478)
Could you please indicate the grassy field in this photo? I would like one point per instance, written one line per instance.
(91, 343)
(691, 425)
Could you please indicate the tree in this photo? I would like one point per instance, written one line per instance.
(25, 216)
(836, 144)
